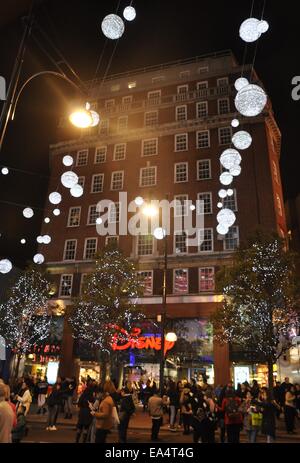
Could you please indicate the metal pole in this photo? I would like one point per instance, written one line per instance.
(163, 317)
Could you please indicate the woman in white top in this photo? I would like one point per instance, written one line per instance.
(24, 398)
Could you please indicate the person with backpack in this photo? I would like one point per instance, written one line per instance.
(233, 416)
(127, 409)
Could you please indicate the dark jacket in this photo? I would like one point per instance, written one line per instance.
(174, 398)
(127, 407)
(55, 398)
(269, 419)
(84, 416)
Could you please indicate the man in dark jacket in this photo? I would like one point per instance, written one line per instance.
(127, 409)
(54, 402)
(42, 389)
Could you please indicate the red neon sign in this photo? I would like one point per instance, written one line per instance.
(135, 341)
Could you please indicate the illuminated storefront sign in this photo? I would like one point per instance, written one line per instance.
(122, 340)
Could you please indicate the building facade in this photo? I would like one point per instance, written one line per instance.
(161, 134)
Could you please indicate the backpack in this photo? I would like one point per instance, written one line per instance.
(232, 410)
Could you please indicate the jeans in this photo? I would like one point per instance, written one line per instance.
(68, 405)
(173, 413)
(52, 415)
(156, 424)
(289, 415)
(233, 433)
(252, 436)
(101, 435)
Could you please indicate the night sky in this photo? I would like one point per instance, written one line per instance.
(163, 31)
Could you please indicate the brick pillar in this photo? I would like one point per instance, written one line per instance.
(67, 367)
(221, 364)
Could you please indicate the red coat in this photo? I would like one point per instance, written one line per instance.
(228, 421)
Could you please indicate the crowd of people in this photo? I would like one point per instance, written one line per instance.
(209, 414)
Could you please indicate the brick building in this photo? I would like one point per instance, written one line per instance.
(162, 131)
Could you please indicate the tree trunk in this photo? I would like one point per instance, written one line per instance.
(270, 378)
(15, 371)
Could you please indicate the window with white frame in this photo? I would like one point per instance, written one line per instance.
(203, 139)
(181, 142)
(232, 239)
(202, 109)
(181, 206)
(181, 281)
(148, 176)
(224, 106)
(204, 169)
(206, 279)
(117, 180)
(181, 172)
(182, 89)
(66, 284)
(145, 245)
(222, 82)
(74, 217)
(109, 104)
(146, 278)
(104, 127)
(202, 85)
(230, 202)
(97, 183)
(114, 213)
(90, 248)
(154, 97)
(205, 203)
(127, 100)
(181, 113)
(122, 123)
(100, 155)
(70, 250)
(82, 158)
(184, 74)
(150, 147)
(225, 135)
(92, 215)
(120, 152)
(112, 241)
(206, 240)
(180, 243)
(81, 181)
(203, 69)
(151, 118)
(279, 205)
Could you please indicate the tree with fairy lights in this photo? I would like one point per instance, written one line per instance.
(108, 304)
(261, 293)
(24, 317)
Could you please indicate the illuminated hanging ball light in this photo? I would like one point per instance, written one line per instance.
(99, 221)
(242, 140)
(139, 201)
(159, 233)
(222, 229)
(222, 194)
(69, 179)
(192, 207)
(240, 83)
(40, 239)
(47, 239)
(47, 220)
(76, 191)
(230, 158)
(55, 198)
(226, 178)
(95, 118)
(4, 171)
(251, 100)
(81, 118)
(23, 241)
(235, 123)
(220, 205)
(28, 213)
(226, 217)
(249, 31)
(129, 13)
(171, 337)
(5, 266)
(113, 27)
(230, 192)
(56, 212)
(39, 259)
(235, 171)
(263, 26)
(68, 161)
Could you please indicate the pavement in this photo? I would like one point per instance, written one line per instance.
(139, 430)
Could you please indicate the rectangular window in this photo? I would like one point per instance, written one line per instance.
(117, 181)
(70, 250)
(206, 279)
(150, 147)
(114, 213)
(93, 215)
(182, 89)
(231, 241)
(205, 207)
(184, 74)
(109, 104)
(180, 243)
(181, 172)
(225, 136)
(224, 106)
(97, 183)
(74, 217)
(100, 155)
(154, 97)
(81, 181)
(120, 152)
(148, 176)
(112, 241)
(122, 123)
(181, 113)
(203, 139)
(181, 142)
(90, 248)
(230, 202)
(202, 109)
(104, 127)
(145, 245)
(151, 118)
(127, 100)
(66, 284)
(82, 158)
(181, 206)
(223, 82)
(204, 169)
(147, 281)
(203, 69)
(206, 240)
(202, 85)
(181, 281)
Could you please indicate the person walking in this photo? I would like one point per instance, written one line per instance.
(42, 390)
(24, 398)
(127, 409)
(252, 417)
(269, 410)
(54, 402)
(173, 397)
(155, 407)
(6, 418)
(105, 415)
(85, 418)
(290, 411)
(233, 417)
(70, 388)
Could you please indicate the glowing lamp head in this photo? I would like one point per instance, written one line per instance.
(150, 211)
(113, 27)
(129, 13)
(56, 212)
(28, 213)
(76, 191)
(159, 233)
(171, 337)
(68, 161)
(4, 171)
(139, 201)
(81, 118)
(55, 198)
(39, 259)
(5, 266)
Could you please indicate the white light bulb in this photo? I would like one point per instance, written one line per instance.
(263, 27)
(5, 266)
(46, 239)
(69, 179)
(28, 213)
(99, 221)
(240, 83)
(39, 259)
(40, 239)
(4, 171)
(192, 207)
(249, 30)
(242, 140)
(113, 27)
(235, 123)
(23, 241)
(222, 194)
(230, 192)
(159, 233)
(129, 13)
(251, 100)
(56, 212)
(68, 161)
(230, 158)
(139, 201)
(220, 205)
(76, 191)
(47, 220)
(222, 229)
(235, 171)
(55, 198)
(226, 179)
(226, 217)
